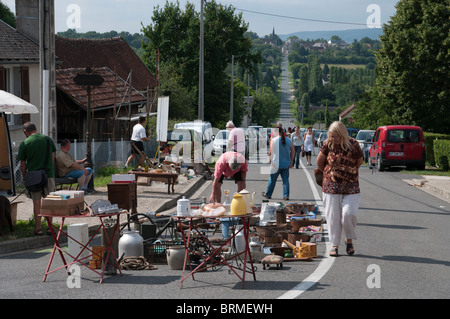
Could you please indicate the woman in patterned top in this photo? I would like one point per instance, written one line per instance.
(339, 159)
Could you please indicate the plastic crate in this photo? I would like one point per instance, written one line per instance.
(155, 253)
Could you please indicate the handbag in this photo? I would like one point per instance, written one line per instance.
(302, 153)
(36, 180)
(318, 174)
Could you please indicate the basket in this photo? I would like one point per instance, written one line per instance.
(155, 253)
(294, 237)
(276, 239)
(297, 223)
(295, 208)
(270, 230)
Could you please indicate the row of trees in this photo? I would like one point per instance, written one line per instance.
(336, 87)
(174, 46)
(413, 68)
(410, 83)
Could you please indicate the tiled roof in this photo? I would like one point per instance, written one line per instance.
(101, 96)
(113, 53)
(16, 47)
(347, 110)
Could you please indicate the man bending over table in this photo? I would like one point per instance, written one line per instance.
(229, 164)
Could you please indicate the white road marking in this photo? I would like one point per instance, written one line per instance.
(326, 262)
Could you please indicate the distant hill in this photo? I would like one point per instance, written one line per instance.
(347, 35)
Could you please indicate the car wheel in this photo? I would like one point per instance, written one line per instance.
(380, 166)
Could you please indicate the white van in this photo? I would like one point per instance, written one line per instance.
(204, 128)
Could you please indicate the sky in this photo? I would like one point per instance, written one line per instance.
(285, 16)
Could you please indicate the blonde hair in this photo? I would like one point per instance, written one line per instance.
(339, 128)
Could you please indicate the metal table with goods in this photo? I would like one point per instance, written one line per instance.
(171, 177)
(107, 220)
(215, 258)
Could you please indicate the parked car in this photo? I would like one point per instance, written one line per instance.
(364, 138)
(180, 143)
(257, 140)
(317, 134)
(322, 138)
(398, 145)
(220, 142)
(352, 132)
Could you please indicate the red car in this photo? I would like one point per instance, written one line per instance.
(398, 145)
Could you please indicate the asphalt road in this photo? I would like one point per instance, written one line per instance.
(402, 252)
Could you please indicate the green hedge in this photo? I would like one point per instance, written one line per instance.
(429, 144)
(442, 153)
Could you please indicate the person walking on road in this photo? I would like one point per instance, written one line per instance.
(32, 157)
(136, 138)
(236, 138)
(308, 141)
(339, 159)
(297, 141)
(281, 156)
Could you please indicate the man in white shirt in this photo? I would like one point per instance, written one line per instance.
(236, 139)
(136, 138)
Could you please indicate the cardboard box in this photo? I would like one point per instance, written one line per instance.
(62, 207)
(123, 178)
(312, 247)
(123, 194)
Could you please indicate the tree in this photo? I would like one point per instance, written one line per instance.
(175, 35)
(7, 16)
(303, 81)
(266, 107)
(413, 65)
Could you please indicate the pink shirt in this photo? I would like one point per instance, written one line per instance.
(237, 138)
(222, 167)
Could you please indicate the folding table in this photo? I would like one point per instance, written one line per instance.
(57, 232)
(216, 258)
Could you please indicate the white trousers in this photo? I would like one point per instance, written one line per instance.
(340, 212)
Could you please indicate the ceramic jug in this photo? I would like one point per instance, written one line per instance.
(238, 206)
(183, 207)
(255, 244)
(249, 200)
(175, 257)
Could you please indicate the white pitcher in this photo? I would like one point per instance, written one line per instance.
(183, 207)
(249, 200)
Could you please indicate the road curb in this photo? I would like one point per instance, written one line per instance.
(16, 245)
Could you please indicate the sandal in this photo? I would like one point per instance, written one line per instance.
(350, 249)
(334, 252)
(263, 194)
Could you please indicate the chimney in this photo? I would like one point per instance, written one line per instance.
(27, 18)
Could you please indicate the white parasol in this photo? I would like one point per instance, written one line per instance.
(9, 103)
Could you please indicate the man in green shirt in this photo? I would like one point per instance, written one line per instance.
(32, 157)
